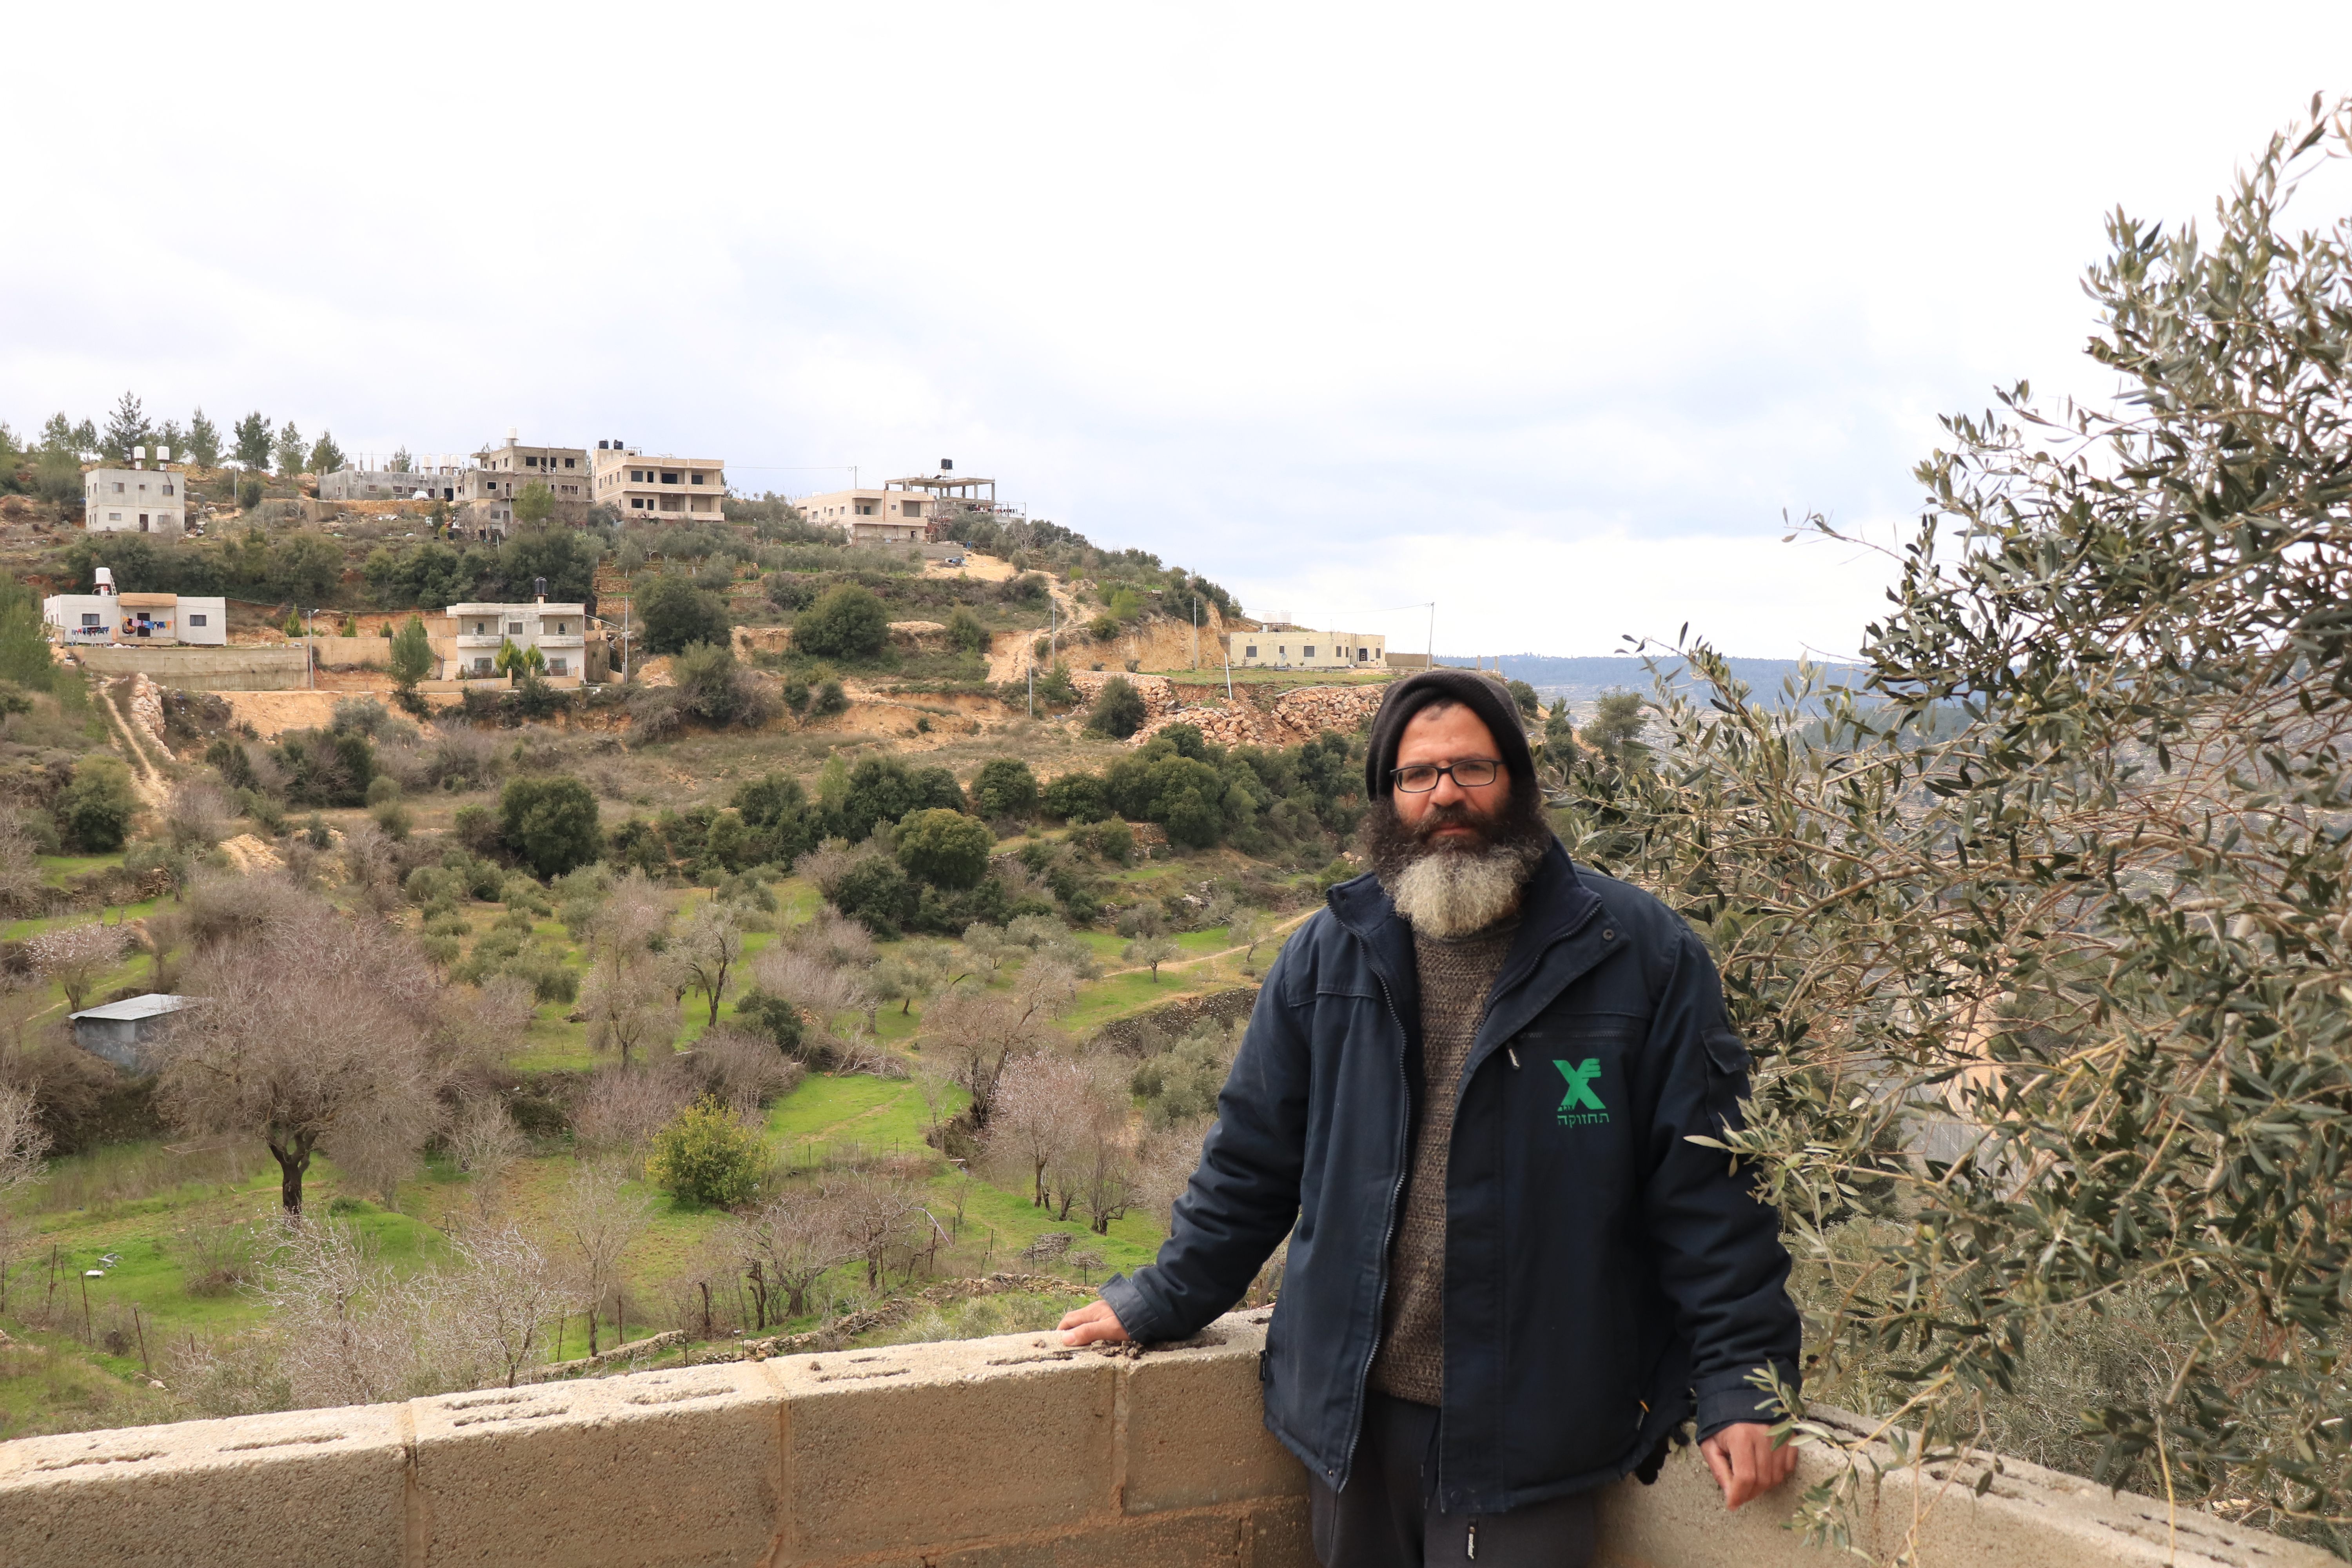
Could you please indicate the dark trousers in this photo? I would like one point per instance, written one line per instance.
(1384, 1519)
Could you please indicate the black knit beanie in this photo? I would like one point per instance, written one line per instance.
(1483, 697)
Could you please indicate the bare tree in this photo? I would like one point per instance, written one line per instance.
(494, 1306)
(707, 951)
(485, 1143)
(630, 1000)
(197, 815)
(596, 1219)
(743, 1069)
(23, 1143)
(76, 955)
(989, 946)
(980, 1031)
(312, 1035)
(343, 1328)
(786, 1245)
(1040, 1101)
(875, 1213)
(1101, 1166)
(622, 1107)
(21, 888)
(476, 1027)
(1165, 1158)
(833, 937)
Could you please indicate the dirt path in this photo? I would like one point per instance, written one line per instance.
(152, 789)
(1290, 924)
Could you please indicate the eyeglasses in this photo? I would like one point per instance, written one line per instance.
(1420, 779)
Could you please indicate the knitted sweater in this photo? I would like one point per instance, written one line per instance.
(1457, 977)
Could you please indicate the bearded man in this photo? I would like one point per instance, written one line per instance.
(1473, 1082)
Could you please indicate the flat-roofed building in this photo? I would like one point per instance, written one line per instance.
(872, 516)
(1290, 648)
(431, 480)
(140, 499)
(147, 619)
(486, 491)
(476, 632)
(658, 488)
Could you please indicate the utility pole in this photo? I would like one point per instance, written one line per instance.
(1229, 668)
(1431, 654)
(1196, 628)
(310, 648)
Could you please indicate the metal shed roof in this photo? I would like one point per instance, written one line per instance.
(133, 1007)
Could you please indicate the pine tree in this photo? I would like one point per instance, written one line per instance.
(291, 451)
(326, 457)
(252, 434)
(204, 441)
(411, 656)
(126, 427)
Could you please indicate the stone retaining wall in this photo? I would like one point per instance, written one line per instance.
(1174, 1019)
(973, 1454)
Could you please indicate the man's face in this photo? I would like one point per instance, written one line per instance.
(1450, 816)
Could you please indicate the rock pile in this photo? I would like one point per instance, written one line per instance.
(147, 710)
(1311, 709)
(1292, 717)
(1159, 696)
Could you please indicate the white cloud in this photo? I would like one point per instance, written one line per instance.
(1281, 293)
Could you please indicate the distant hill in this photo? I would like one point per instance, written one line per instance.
(1582, 680)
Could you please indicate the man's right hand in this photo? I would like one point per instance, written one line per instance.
(1092, 1323)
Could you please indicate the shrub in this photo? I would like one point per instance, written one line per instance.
(967, 631)
(1004, 787)
(831, 698)
(1110, 839)
(1118, 711)
(945, 848)
(876, 893)
(845, 622)
(1102, 629)
(551, 823)
(712, 686)
(706, 1155)
(95, 810)
(477, 828)
(675, 614)
(1076, 797)
(323, 767)
(772, 1018)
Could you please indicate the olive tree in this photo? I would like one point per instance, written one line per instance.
(2040, 928)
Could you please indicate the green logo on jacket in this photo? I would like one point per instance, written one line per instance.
(1581, 1106)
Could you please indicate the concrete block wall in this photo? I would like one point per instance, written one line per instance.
(203, 668)
(972, 1453)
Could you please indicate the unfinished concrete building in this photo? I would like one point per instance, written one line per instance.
(658, 488)
(147, 496)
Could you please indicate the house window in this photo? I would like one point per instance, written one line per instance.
(1250, 652)
(636, 503)
(569, 464)
(910, 509)
(118, 487)
(557, 667)
(1363, 654)
(636, 476)
(167, 490)
(530, 462)
(865, 509)
(114, 516)
(694, 479)
(88, 620)
(481, 667)
(194, 621)
(514, 628)
(1308, 652)
(668, 478)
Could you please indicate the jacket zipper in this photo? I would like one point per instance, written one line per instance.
(1396, 1188)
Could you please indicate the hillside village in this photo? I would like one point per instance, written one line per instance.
(744, 921)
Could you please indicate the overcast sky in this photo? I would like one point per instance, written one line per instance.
(1549, 316)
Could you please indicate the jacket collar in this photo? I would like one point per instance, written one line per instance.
(1557, 908)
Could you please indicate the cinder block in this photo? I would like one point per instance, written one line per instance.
(1278, 1534)
(305, 1488)
(927, 1446)
(1170, 1541)
(658, 1467)
(1196, 1432)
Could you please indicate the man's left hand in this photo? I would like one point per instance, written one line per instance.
(1745, 1463)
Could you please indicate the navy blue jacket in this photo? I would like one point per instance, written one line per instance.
(1601, 1270)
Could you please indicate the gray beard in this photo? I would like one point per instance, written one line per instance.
(1450, 893)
